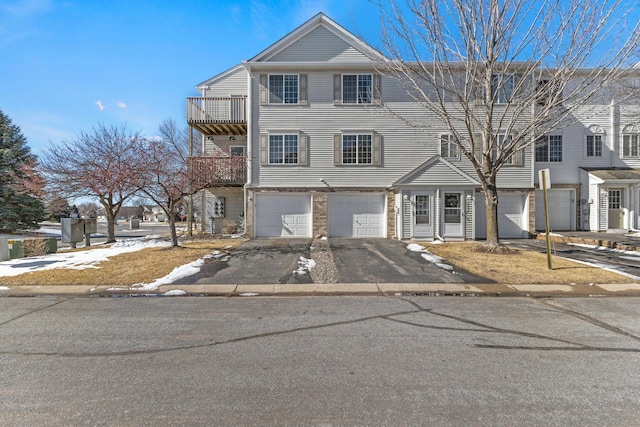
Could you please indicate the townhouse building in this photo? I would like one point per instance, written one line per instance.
(298, 142)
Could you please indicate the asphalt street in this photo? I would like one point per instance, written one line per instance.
(322, 361)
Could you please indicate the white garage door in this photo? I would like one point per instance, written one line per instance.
(559, 202)
(283, 215)
(510, 216)
(356, 215)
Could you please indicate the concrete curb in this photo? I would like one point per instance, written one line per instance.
(337, 289)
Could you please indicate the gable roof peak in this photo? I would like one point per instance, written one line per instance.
(318, 20)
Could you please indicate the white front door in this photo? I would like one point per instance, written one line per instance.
(616, 208)
(422, 215)
(452, 223)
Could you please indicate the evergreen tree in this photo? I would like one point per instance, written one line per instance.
(20, 184)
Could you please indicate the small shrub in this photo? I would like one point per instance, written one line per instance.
(229, 226)
(35, 247)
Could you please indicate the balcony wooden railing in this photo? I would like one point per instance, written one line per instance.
(218, 116)
(221, 170)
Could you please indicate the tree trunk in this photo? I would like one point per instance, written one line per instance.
(111, 225)
(172, 227)
(491, 212)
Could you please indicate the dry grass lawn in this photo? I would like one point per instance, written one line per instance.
(143, 266)
(522, 267)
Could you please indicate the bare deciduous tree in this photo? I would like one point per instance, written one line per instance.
(102, 163)
(517, 68)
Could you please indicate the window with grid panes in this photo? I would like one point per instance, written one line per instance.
(356, 149)
(283, 89)
(283, 149)
(594, 145)
(357, 88)
(549, 148)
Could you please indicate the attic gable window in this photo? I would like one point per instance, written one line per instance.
(283, 89)
(357, 88)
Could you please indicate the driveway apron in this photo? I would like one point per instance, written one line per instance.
(258, 261)
(389, 261)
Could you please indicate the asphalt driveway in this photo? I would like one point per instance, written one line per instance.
(282, 261)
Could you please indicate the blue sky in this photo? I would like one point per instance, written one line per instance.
(67, 65)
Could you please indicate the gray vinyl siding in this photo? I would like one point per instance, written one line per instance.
(233, 209)
(234, 83)
(403, 147)
(220, 144)
(320, 45)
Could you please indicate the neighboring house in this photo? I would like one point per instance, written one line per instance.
(593, 164)
(297, 143)
(153, 213)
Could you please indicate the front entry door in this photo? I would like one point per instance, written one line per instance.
(422, 216)
(616, 212)
(452, 224)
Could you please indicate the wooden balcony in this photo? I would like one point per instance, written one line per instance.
(218, 171)
(218, 116)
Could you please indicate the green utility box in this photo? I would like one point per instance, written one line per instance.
(52, 245)
(16, 249)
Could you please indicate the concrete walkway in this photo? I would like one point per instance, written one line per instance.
(315, 289)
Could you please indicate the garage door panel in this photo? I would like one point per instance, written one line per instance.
(279, 215)
(559, 204)
(510, 216)
(356, 215)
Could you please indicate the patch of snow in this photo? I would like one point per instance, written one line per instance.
(304, 265)
(75, 260)
(3, 288)
(431, 257)
(414, 247)
(177, 273)
(324, 238)
(444, 266)
(174, 293)
(249, 294)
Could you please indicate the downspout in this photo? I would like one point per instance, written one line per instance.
(248, 110)
(438, 215)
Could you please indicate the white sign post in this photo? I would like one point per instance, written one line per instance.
(544, 179)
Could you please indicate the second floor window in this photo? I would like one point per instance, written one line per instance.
(283, 89)
(549, 148)
(630, 145)
(594, 145)
(357, 88)
(283, 149)
(502, 86)
(448, 148)
(356, 149)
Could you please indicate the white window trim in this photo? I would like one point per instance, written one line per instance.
(371, 95)
(269, 89)
(595, 130)
(283, 135)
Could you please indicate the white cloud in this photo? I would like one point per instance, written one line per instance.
(100, 105)
(122, 104)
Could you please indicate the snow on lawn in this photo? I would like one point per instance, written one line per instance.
(177, 273)
(429, 257)
(76, 260)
